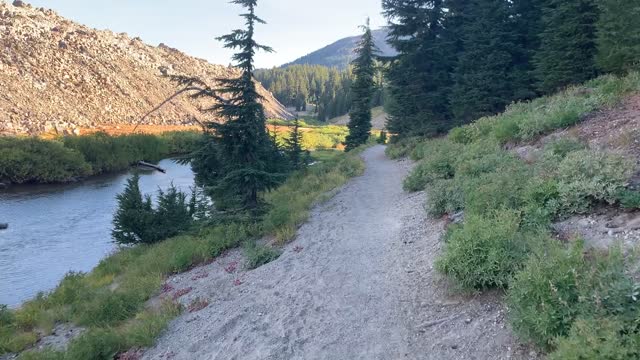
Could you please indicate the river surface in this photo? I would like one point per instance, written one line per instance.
(55, 229)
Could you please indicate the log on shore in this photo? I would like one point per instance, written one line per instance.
(152, 166)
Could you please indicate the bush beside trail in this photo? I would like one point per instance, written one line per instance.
(556, 292)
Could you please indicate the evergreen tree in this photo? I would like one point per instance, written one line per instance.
(327, 88)
(527, 16)
(134, 216)
(240, 159)
(567, 49)
(137, 222)
(618, 35)
(363, 90)
(293, 146)
(419, 77)
(488, 75)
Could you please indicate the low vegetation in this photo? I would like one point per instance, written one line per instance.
(33, 160)
(110, 301)
(138, 221)
(556, 292)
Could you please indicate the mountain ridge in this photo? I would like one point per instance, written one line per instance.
(340, 53)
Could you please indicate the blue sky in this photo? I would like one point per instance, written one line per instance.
(295, 27)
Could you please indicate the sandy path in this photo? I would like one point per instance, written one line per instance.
(357, 283)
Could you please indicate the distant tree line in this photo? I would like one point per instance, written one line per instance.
(460, 60)
(327, 89)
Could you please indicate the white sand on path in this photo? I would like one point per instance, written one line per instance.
(357, 283)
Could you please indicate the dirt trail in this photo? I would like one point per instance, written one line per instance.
(357, 283)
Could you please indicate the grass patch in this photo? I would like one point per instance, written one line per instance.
(258, 255)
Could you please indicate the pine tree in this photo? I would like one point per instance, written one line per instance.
(527, 16)
(137, 222)
(240, 160)
(487, 75)
(618, 35)
(567, 49)
(134, 216)
(293, 146)
(419, 77)
(363, 90)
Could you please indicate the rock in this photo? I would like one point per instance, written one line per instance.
(4, 226)
(457, 218)
(19, 3)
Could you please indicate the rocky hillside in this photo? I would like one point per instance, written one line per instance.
(59, 76)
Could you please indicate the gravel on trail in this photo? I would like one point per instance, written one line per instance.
(358, 282)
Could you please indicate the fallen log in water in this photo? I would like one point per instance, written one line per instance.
(152, 166)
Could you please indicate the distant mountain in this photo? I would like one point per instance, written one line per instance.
(340, 53)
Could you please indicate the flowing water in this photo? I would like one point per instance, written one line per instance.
(55, 229)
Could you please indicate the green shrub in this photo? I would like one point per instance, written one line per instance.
(401, 148)
(96, 344)
(6, 316)
(32, 160)
(260, 255)
(587, 176)
(136, 221)
(439, 157)
(629, 199)
(183, 142)
(108, 308)
(598, 339)
(564, 146)
(558, 285)
(504, 188)
(444, 196)
(461, 135)
(12, 342)
(481, 157)
(486, 251)
(543, 297)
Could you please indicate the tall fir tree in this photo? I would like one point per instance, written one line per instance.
(567, 44)
(527, 16)
(239, 160)
(419, 76)
(363, 89)
(618, 35)
(488, 74)
(293, 146)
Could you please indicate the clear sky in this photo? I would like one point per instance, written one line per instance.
(295, 27)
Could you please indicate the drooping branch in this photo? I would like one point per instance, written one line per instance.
(191, 84)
